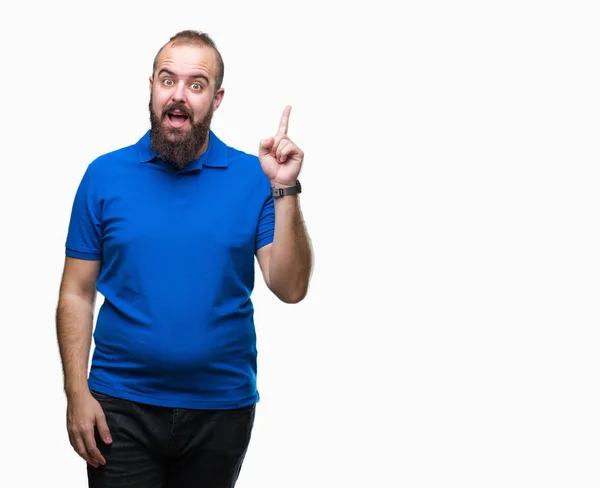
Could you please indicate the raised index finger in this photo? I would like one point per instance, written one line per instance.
(285, 119)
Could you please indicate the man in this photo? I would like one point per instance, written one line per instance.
(167, 231)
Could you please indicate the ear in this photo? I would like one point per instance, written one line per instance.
(218, 98)
(151, 82)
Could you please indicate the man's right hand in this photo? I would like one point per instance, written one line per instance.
(84, 414)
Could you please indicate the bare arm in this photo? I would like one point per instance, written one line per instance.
(74, 321)
(74, 326)
(287, 263)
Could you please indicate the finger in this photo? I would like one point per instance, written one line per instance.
(92, 448)
(285, 120)
(79, 445)
(282, 145)
(266, 145)
(103, 429)
(291, 150)
(277, 142)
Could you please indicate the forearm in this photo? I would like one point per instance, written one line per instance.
(74, 324)
(291, 260)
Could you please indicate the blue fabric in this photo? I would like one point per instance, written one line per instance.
(176, 327)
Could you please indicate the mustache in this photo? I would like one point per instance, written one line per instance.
(178, 107)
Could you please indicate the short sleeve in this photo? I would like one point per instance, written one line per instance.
(84, 237)
(266, 224)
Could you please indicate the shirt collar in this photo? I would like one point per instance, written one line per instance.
(215, 155)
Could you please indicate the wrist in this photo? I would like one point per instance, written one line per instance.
(283, 184)
(278, 191)
(76, 391)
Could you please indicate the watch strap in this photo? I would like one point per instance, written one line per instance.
(289, 190)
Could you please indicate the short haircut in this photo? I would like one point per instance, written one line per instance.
(200, 39)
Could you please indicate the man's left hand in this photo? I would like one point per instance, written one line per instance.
(280, 158)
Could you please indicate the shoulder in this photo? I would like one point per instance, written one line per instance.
(111, 167)
(237, 156)
(115, 158)
(244, 171)
(113, 162)
(239, 160)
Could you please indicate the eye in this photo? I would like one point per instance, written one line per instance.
(196, 86)
(167, 82)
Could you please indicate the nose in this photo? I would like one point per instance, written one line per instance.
(179, 93)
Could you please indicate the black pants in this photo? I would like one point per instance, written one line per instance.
(158, 447)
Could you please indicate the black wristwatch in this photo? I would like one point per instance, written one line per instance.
(290, 190)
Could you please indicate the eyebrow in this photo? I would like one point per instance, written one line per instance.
(195, 76)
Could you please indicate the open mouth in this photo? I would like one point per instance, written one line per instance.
(177, 119)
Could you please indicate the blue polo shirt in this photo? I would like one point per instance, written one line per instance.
(178, 250)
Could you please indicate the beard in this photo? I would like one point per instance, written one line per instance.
(182, 149)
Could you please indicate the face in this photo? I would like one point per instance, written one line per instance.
(182, 102)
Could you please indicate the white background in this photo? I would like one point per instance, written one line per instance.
(450, 336)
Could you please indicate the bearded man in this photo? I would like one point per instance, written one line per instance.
(168, 230)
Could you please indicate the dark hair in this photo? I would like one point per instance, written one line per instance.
(200, 39)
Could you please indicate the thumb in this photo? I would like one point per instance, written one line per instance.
(103, 429)
(266, 145)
